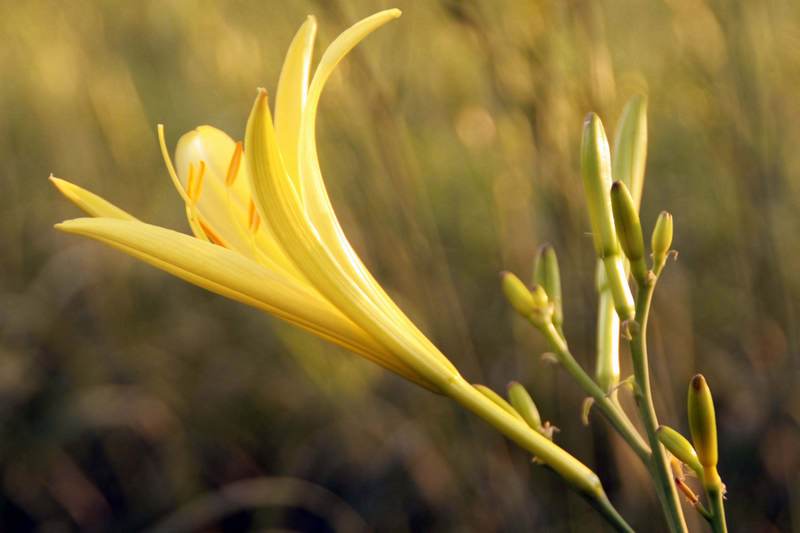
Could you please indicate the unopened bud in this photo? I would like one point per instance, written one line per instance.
(630, 147)
(540, 297)
(680, 448)
(617, 279)
(518, 294)
(596, 174)
(661, 239)
(547, 275)
(702, 421)
(629, 229)
(523, 404)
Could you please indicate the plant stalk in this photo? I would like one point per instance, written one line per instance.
(718, 524)
(612, 411)
(659, 464)
(579, 476)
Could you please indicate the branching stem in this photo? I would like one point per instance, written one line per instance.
(718, 524)
(610, 409)
(659, 464)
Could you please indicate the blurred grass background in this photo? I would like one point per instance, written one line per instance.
(449, 143)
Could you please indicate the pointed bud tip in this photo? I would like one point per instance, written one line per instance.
(617, 185)
(513, 383)
(698, 382)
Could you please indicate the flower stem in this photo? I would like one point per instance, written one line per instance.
(659, 464)
(603, 506)
(718, 524)
(611, 410)
(580, 477)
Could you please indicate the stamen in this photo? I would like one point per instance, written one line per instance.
(253, 220)
(170, 167)
(194, 184)
(192, 213)
(190, 183)
(233, 167)
(212, 236)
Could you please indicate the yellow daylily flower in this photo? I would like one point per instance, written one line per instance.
(266, 235)
(234, 253)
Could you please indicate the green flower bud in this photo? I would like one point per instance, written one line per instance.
(629, 229)
(680, 448)
(547, 275)
(499, 400)
(702, 421)
(630, 147)
(523, 404)
(596, 174)
(518, 294)
(661, 240)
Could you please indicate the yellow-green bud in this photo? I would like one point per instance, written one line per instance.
(629, 229)
(497, 399)
(540, 297)
(523, 404)
(702, 421)
(617, 279)
(630, 147)
(596, 174)
(661, 239)
(518, 295)
(547, 275)
(680, 448)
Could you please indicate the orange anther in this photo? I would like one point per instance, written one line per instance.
(212, 236)
(233, 167)
(190, 181)
(253, 220)
(194, 183)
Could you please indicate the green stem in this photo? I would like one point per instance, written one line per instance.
(704, 512)
(613, 413)
(715, 499)
(603, 506)
(579, 476)
(659, 464)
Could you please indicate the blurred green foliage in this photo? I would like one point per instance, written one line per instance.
(449, 142)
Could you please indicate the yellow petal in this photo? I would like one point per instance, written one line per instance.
(278, 201)
(229, 274)
(88, 201)
(290, 98)
(314, 194)
(313, 191)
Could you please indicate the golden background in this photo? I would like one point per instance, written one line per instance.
(449, 144)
